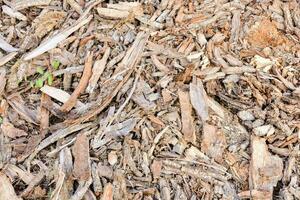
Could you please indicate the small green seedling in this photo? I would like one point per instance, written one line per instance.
(55, 64)
(45, 76)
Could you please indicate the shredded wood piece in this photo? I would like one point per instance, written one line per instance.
(82, 169)
(188, 127)
(53, 41)
(58, 135)
(6, 46)
(121, 10)
(2, 80)
(107, 192)
(81, 190)
(265, 169)
(98, 69)
(87, 72)
(75, 6)
(22, 4)
(59, 183)
(7, 58)
(131, 58)
(13, 13)
(11, 131)
(199, 99)
(6, 189)
(59, 94)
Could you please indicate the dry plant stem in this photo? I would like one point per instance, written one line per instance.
(128, 97)
(87, 72)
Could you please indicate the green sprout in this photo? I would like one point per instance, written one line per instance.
(45, 76)
(55, 64)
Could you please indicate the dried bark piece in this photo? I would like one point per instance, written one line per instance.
(58, 186)
(2, 80)
(261, 63)
(140, 95)
(13, 13)
(121, 129)
(81, 190)
(265, 169)
(187, 120)
(23, 175)
(127, 65)
(161, 67)
(75, 6)
(6, 189)
(59, 95)
(165, 189)
(156, 168)
(119, 183)
(107, 192)
(87, 72)
(235, 26)
(22, 4)
(10, 131)
(82, 168)
(46, 21)
(199, 99)
(98, 69)
(35, 181)
(213, 142)
(53, 41)
(121, 10)
(265, 130)
(58, 135)
(18, 105)
(112, 158)
(264, 33)
(105, 171)
(7, 58)
(6, 46)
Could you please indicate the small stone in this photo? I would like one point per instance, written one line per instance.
(245, 115)
(265, 130)
(112, 158)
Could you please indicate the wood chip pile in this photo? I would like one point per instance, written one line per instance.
(156, 99)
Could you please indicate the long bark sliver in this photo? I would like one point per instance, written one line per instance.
(87, 72)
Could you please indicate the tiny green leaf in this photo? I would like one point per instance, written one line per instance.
(39, 83)
(50, 79)
(55, 64)
(31, 84)
(1, 120)
(40, 70)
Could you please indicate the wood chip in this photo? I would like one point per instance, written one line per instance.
(188, 127)
(87, 72)
(6, 189)
(82, 169)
